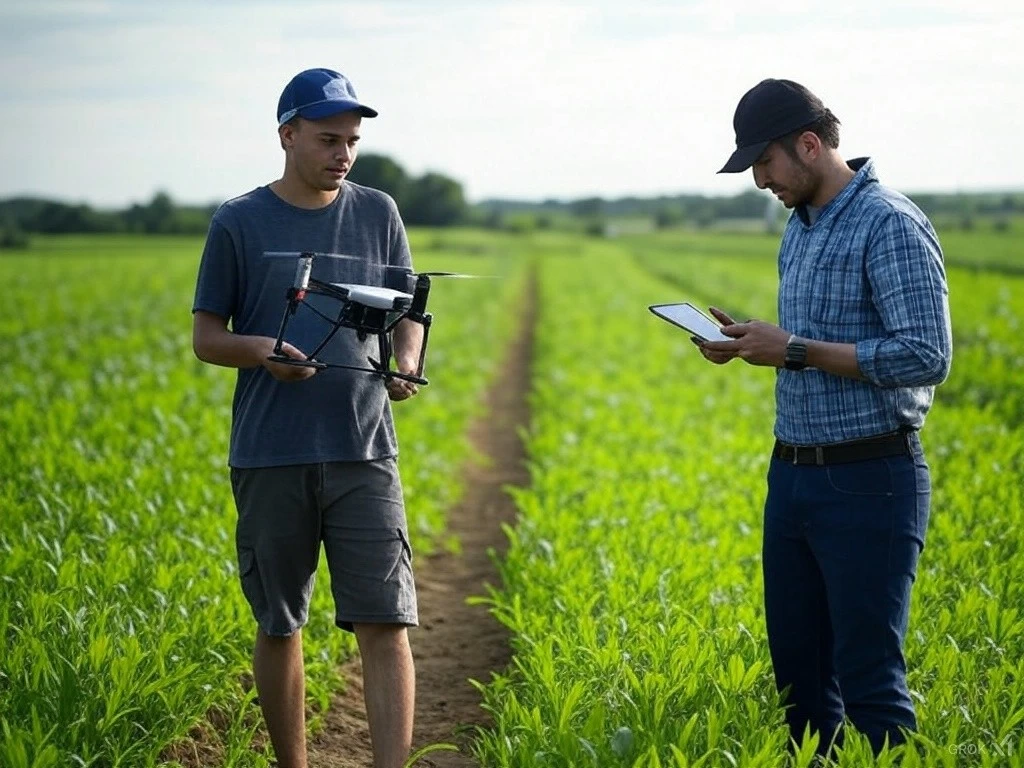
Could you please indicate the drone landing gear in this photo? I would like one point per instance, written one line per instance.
(284, 360)
(320, 365)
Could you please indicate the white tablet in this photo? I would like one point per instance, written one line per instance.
(691, 319)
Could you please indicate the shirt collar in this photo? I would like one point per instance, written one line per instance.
(865, 174)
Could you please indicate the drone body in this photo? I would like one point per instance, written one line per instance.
(366, 309)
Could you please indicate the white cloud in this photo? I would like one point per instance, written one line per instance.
(514, 99)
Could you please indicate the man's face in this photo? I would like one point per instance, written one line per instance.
(789, 178)
(323, 151)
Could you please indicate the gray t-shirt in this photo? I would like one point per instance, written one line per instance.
(336, 415)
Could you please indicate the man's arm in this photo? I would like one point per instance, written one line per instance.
(761, 343)
(908, 285)
(909, 291)
(216, 300)
(213, 343)
(407, 339)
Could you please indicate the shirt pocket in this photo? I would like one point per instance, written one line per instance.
(841, 301)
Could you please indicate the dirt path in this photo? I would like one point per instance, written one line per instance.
(455, 642)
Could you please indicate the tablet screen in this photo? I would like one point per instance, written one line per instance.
(690, 318)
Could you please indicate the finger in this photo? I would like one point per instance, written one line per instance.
(291, 351)
(732, 347)
(723, 318)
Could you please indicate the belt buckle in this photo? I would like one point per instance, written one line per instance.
(819, 454)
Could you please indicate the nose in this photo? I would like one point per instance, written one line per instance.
(343, 153)
(760, 177)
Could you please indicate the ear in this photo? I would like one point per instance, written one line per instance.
(287, 134)
(809, 146)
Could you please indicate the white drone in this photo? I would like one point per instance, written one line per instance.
(367, 309)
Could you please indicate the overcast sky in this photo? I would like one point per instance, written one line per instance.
(107, 101)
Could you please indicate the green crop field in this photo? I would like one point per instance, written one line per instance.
(632, 586)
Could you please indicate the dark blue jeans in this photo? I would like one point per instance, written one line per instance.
(841, 545)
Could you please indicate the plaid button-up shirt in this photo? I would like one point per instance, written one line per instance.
(868, 272)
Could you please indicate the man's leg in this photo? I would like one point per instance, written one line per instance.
(796, 612)
(370, 559)
(868, 538)
(278, 541)
(280, 681)
(389, 688)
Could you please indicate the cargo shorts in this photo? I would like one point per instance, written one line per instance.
(356, 509)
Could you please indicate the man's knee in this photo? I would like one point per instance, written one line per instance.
(278, 641)
(381, 637)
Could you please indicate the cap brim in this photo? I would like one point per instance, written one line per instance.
(329, 108)
(744, 157)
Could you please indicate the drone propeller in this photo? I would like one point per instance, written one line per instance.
(315, 254)
(347, 257)
(457, 275)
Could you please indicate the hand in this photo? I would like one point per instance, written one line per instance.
(400, 389)
(756, 342)
(718, 357)
(283, 371)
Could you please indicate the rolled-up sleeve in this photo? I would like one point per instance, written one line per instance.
(909, 291)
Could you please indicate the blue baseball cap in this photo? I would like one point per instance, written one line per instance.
(318, 93)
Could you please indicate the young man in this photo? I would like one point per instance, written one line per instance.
(864, 339)
(313, 453)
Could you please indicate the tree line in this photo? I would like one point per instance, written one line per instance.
(434, 199)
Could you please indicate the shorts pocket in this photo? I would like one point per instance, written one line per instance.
(246, 562)
(405, 544)
(371, 554)
(252, 584)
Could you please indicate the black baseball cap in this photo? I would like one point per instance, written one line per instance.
(768, 111)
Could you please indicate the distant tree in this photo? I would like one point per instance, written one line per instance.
(61, 218)
(492, 219)
(160, 214)
(11, 235)
(383, 173)
(588, 207)
(665, 217)
(435, 200)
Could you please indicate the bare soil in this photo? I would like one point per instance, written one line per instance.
(455, 642)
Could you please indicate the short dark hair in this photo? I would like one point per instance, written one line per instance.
(825, 128)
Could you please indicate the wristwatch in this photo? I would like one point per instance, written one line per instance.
(796, 354)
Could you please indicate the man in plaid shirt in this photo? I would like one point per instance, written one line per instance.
(863, 339)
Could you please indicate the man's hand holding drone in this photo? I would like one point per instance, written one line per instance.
(400, 389)
(280, 371)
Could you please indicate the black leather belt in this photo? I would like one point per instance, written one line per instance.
(892, 444)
